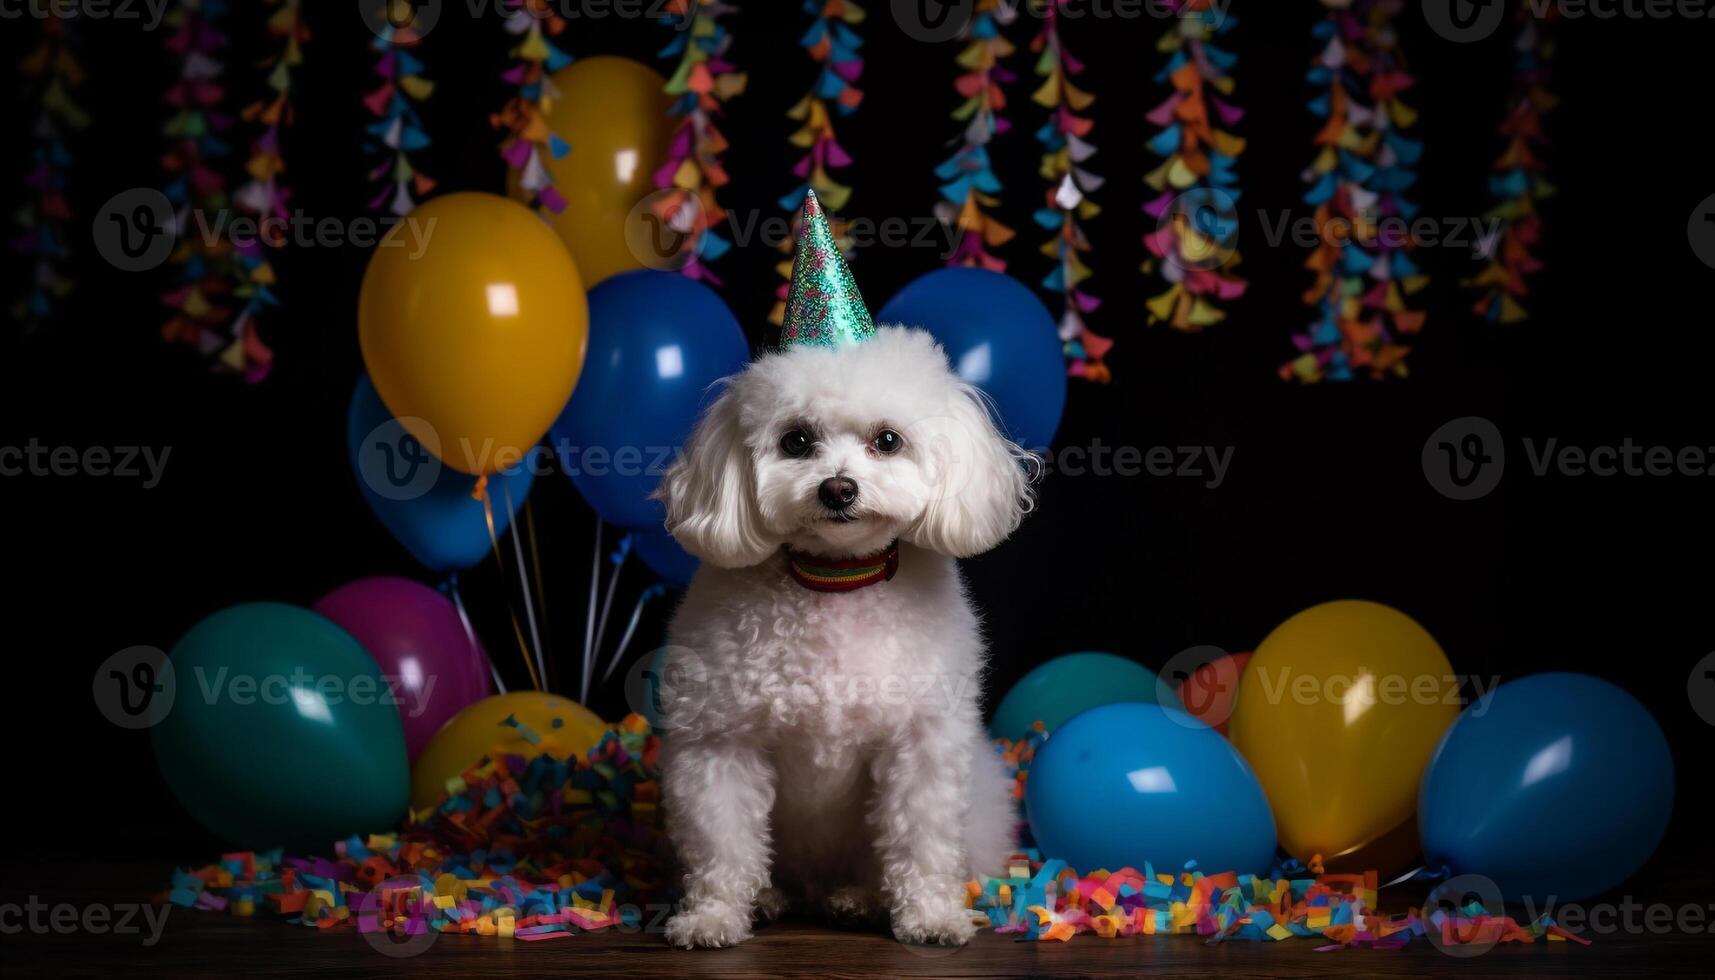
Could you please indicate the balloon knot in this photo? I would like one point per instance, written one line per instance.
(480, 491)
(1315, 864)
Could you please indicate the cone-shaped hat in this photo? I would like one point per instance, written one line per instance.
(824, 308)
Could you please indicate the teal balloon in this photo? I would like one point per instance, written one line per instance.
(1064, 686)
(282, 731)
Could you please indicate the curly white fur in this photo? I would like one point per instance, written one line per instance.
(831, 743)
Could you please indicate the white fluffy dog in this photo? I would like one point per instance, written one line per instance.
(830, 742)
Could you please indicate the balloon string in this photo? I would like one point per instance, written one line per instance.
(589, 615)
(481, 493)
(607, 603)
(630, 629)
(524, 582)
(536, 571)
(470, 633)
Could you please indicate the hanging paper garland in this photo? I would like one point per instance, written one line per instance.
(54, 74)
(1197, 190)
(969, 180)
(203, 265)
(833, 43)
(398, 130)
(701, 84)
(1358, 182)
(1065, 143)
(1519, 182)
(523, 117)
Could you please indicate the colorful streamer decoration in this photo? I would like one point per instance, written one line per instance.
(53, 74)
(528, 135)
(1358, 184)
(968, 180)
(701, 85)
(832, 41)
(203, 265)
(1066, 146)
(398, 130)
(1197, 192)
(1519, 180)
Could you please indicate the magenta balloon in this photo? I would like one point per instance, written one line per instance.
(433, 666)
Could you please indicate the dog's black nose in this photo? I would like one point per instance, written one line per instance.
(837, 493)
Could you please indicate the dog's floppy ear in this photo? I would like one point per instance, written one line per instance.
(710, 492)
(981, 480)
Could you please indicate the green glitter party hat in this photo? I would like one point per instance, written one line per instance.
(824, 308)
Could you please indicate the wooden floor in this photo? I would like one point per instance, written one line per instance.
(196, 944)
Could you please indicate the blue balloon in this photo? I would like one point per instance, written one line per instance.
(422, 502)
(1559, 785)
(657, 342)
(664, 556)
(1127, 784)
(999, 337)
(1062, 687)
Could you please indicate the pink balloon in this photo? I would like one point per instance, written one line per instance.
(433, 667)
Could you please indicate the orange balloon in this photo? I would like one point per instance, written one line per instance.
(1210, 692)
(613, 112)
(473, 325)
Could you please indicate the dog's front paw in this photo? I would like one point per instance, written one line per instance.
(710, 925)
(939, 923)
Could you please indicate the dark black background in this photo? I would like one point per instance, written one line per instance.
(1325, 499)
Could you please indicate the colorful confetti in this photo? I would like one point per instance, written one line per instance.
(968, 180)
(523, 118)
(398, 130)
(1066, 146)
(1519, 180)
(1197, 191)
(704, 80)
(537, 849)
(1358, 184)
(832, 42)
(52, 74)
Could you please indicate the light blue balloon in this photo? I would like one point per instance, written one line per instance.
(1559, 785)
(1125, 784)
(1064, 686)
(425, 504)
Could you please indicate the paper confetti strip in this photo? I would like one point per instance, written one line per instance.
(1365, 165)
(398, 128)
(1519, 180)
(528, 136)
(52, 74)
(832, 41)
(703, 81)
(1196, 189)
(968, 182)
(1066, 146)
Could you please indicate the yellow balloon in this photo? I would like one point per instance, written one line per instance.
(1338, 712)
(563, 729)
(473, 324)
(613, 112)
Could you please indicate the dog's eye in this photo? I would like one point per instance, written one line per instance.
(887, 442)
(796, 443)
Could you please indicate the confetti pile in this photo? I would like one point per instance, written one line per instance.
(969, 182)
(1066, 146)
(1197, 191)
(1519, 182)
(702, 83)
(831, 41)
(537, 849)
(53, 75)
(398, 130)
(522, 118)
(1358, 182)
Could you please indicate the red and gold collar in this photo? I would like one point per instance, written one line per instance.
(842, 575)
